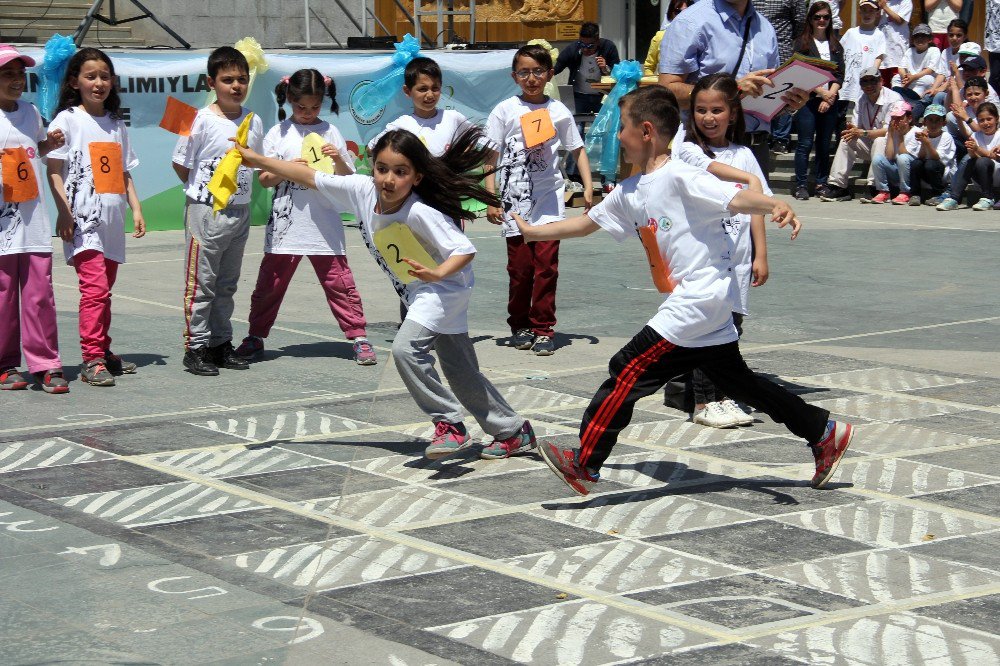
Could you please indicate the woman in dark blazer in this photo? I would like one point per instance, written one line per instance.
(815, 122)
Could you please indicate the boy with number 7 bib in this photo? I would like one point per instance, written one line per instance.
(677, 210)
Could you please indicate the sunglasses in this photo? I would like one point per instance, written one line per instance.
(869, 81)
(588, 47)
(821, 17)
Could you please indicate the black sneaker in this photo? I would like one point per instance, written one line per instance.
(198, 362)
(522, 339)
(543, 346)
(780, 146)
(834, 193)
(116, 365)
(821, 190)
(801, 193)
(224, 356)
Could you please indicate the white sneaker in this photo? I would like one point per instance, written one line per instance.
(740, 417)
(715, 415)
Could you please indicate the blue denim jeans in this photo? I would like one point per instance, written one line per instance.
(781, 127)
(814, 128)
(896, 172)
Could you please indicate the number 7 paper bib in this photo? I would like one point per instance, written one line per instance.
(106, 164)
(19, 182)
(537, 128)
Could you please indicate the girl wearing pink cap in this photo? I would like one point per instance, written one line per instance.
(28, 321)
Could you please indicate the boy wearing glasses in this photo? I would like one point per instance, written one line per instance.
(587, 59)
(527, 130)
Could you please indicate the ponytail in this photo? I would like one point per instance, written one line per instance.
(302, 83)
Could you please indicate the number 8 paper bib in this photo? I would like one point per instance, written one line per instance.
(19, 182)
(106, 163)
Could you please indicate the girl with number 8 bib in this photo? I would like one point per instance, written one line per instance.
(411, 206)
(302, 222)
(90, 182)
(26, 301)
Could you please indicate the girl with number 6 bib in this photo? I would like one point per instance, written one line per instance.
(26, 301)
(302, 222)
(418, 197)
(90, 182)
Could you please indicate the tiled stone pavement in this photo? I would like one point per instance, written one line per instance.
(258, 537)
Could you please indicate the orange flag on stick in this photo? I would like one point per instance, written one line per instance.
(178, 117)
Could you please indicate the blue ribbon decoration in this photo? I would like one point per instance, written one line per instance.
(378, 94)
(602, 142)
(58, 51)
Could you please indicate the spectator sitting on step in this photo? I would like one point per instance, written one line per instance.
(865, 134)
(920, 71)
(980, 162)
(950, 60)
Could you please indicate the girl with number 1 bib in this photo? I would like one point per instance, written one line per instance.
(424, 194)
(90, 182)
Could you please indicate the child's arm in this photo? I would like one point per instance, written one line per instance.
(138, 222)
(754, 203)
(297, 171)
(268, 179)
(493, 214)
(878, 61)
(64, 220)
(54, 139)
(573, 227)
(734, 175)
(182, 171)
(449, 266)
(890, 14)
(583, 166)
(758, 236)
(891, 145)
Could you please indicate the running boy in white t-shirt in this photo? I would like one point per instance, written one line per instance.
(528, 130)
(677, 210)
(215, 241)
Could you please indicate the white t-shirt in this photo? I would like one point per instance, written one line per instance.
(987, 141)
(737, 226)
(940, 17)
(588, 72)
(439, 306)
(823, 48)
(99, 218)
(302, 221)
(437, 133)
(24, 226)
(208, 143)
(861, 48)
(688, 207)
(875, 116)
(915, 62)
(944, 145)
(529, 181)
(897, 35)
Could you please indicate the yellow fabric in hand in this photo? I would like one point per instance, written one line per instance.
(223, 183)
(397, 241)
(312, 153)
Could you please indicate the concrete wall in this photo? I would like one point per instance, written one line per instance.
(274, 23)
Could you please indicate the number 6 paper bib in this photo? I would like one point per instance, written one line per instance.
(106, 163)
(19, 182)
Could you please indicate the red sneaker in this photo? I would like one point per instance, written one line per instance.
(830, 450)
(563, 462)
(12, 380)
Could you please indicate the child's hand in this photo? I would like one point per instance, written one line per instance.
(494, 215)
(138, 225)
(760, 272)
(56, 139)
(522, 226)
(971, 145)
(783, 215)
(64, 227)
(422, 272)
(330, 151)
(588, 198)
(251, 159)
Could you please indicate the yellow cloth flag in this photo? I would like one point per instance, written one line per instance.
(223, 183)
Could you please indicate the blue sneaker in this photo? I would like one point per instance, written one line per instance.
(448, 439)
(521, 442)
(948, 204)
(983, 204)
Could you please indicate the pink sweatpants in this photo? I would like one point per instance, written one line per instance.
(97, 276)
(26, 288)
(276, 271)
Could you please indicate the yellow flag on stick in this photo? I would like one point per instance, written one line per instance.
(223, 184)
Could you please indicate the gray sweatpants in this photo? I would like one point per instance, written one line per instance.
(215, 246)
(412, 352)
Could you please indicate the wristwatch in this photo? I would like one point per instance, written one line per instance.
(864, 133)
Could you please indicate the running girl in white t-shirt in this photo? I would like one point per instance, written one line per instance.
(28, 321)
(715, 137)
(90, 182)
(303, 223)
(424, 194)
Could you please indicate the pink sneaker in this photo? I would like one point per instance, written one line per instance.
(364, 353)
(901, 199)
(448, 439)
(521, 442)
(830, 450)
(880, 198)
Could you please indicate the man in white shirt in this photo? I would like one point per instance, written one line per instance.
(865, 134)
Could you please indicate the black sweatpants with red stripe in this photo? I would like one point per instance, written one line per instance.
(648, 361)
